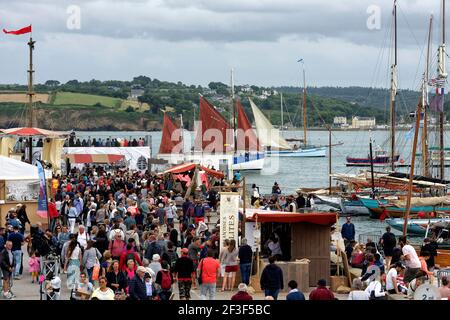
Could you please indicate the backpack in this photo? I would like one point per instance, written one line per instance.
(166, 281)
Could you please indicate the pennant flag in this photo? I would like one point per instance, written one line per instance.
(42, 210)
(20, 31)
(437, 103)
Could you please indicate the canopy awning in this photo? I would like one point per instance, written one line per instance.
(11, 169)
(185, 167)
(94, 158)
(327, 219)
(29, 131)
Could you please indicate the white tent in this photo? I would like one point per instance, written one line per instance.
(11, 169)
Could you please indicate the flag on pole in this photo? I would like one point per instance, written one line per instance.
(18, 32)
(437, 103)
(42, 210)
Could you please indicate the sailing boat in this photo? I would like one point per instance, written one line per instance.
(274, 143)
(214, 145)
(381, 157)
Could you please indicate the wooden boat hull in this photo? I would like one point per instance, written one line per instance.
(377, 207)
(305, 152)
(373, 205)
(416, 227)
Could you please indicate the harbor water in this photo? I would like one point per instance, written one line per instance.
(292, 173)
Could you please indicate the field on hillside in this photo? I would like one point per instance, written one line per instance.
(135, 104)
(22, 97)
(85, 99)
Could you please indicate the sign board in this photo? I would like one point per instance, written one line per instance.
(427, 291)
(252, 235)
(157, 161)
(229, 216)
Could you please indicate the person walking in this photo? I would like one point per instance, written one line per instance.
(7, 264)
(91, 257)
(272, 279)
(388, 242)
(72, 263)
(410, 258)
(137, 288)
(231, 265)
(348, 230)
(245, 261)
(72, 216)
(183, 270)
(164, 280)
(17, 239)
(209, 270)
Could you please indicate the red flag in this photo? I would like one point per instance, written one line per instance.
(20, 31)
(383, 215)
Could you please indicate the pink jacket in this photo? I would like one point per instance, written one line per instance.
(33, 264)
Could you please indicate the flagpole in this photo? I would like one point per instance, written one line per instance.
(30, 97)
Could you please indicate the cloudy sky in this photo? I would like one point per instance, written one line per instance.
(198, 41)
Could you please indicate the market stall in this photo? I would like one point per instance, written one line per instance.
(19, 183)
(303, 237)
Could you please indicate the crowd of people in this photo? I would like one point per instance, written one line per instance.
(139, 236)
(73, 141)
(399, 269)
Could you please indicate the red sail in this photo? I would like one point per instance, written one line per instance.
(246, 137)
(171, 137)
(215, 134)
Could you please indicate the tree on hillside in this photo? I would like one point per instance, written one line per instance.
(142, 81)
(52, 83)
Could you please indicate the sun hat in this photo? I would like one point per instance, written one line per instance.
(156, 257)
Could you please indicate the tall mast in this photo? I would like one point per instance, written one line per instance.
(394, 84)
(411, 173)
(281, 106)
(30, 94)
(442, 75)
(234, 111)
(425, 161)
(305, 118)
(182, 132)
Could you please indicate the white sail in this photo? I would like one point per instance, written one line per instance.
(267, 134)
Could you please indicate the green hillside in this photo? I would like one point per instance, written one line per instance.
(71, 98)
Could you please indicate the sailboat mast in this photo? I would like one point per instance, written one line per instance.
(442, 75)
(393, 89)
(305, 118)
(411, 173)
(234, 111)
(425, 161)
(281, 106)
(182, 132)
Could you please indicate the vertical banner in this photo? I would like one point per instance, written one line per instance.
(229, 216)
(42, 210)
(252, 235)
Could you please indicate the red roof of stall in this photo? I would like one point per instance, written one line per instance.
(191, 166)
(325, 218)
